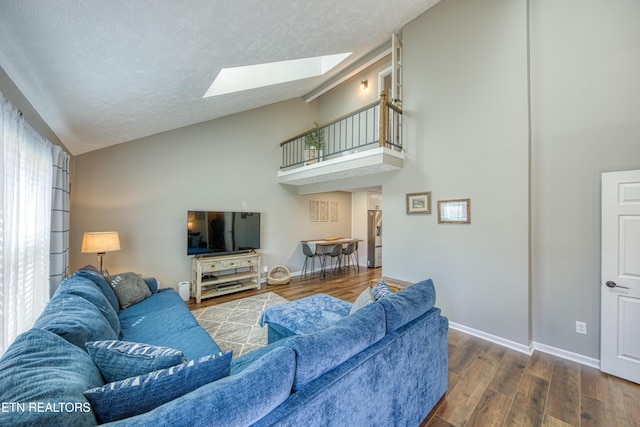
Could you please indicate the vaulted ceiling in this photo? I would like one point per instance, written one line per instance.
(105, 72)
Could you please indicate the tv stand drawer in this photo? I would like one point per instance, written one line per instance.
(210, 266)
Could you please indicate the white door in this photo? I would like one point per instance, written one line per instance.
(620, 284)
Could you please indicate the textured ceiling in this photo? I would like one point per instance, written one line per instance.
(105, 72)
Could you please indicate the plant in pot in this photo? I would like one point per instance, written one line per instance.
(314, 141)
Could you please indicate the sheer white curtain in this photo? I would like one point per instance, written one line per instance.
(25, 223)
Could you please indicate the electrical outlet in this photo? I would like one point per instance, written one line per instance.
(581, 328)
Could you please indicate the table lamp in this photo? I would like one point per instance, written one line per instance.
(100, 242)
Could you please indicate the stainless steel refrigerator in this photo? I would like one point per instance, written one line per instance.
(374, 239)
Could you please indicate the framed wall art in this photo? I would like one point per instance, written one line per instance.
(454, 211)
(419, 203)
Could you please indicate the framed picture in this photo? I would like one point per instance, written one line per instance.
(324, 211)
(454, 211)
(314, 212)
(419, 203)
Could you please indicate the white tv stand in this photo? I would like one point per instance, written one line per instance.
(220, 275)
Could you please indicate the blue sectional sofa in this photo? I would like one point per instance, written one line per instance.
(385, 364)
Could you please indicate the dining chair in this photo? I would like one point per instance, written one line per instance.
(349, 257)
(309, 254)
(336, 252)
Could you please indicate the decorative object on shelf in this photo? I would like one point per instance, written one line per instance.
(314, 141)
(419, 203)
(454, 211)
(100, 242)
(278, 275)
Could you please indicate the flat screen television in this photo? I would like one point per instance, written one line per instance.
(218, 232)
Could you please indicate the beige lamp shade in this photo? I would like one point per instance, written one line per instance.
(100, 242)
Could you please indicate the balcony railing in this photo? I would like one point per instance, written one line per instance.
(351, 133)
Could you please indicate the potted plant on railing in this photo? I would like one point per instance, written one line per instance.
(314, 141)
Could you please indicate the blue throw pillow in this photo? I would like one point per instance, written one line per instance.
(91, 273)
(118, 360)
(381, 290)
(137, 395)
(152, 283)
(75, 319)
(408, 304)
(87, 289)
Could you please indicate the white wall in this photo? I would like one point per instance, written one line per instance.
(466, 136)
(144, 188)
(13, 94)
(359, 224)
(466, 113)
(348, 97)
(585, 81)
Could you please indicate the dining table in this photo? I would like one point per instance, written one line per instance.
(324, 247)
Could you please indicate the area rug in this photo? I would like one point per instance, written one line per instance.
(234, 324)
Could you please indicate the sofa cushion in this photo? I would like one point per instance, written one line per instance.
(164, 319)
(155, 317)
(324, 350)
(194, 342)
(366, 297)
(118, 360)
(75, 319)
(408, 304)
(39, 369)
(137, 395)
(87, 289)
(91, 273)
(307, 315)
(129, 287)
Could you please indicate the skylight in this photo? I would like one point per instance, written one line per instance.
(237, 79)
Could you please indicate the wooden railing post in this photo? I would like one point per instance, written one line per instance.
(382, 142)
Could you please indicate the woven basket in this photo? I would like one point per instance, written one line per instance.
(279, 275)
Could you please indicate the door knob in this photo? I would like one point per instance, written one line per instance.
(614, 285)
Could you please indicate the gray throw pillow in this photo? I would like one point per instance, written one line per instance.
(129, 288)
(366, 297)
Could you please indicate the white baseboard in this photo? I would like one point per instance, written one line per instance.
(492, 338)
(534, 346)
(568, 355)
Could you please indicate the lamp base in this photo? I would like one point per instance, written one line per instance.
(102, 269)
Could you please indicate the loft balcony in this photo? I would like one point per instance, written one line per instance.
(347, 147)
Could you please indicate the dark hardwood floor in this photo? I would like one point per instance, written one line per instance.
(490, 385)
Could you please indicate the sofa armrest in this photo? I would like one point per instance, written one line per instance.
(152, 283)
